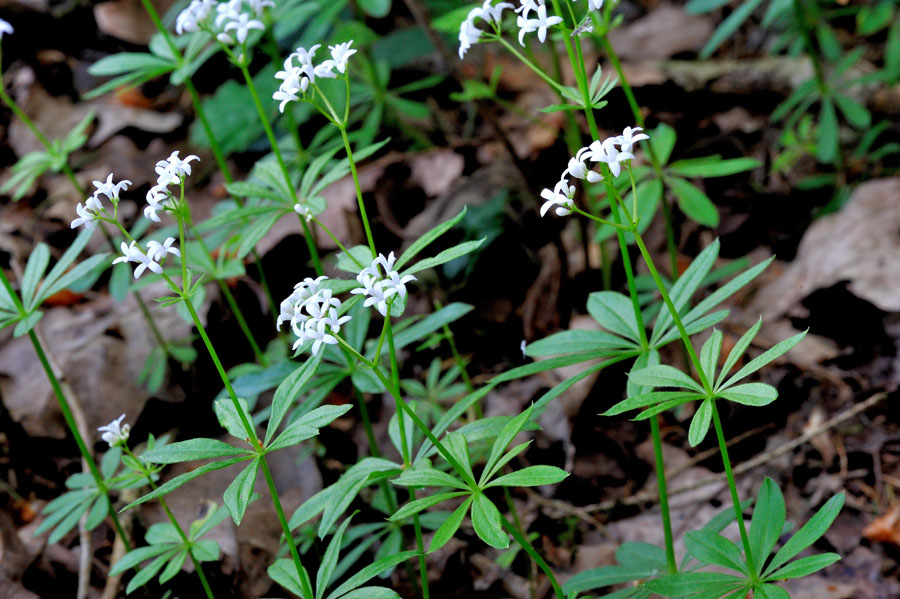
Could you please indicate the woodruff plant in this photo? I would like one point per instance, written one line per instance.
(353, 329)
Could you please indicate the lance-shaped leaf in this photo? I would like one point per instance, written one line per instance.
(423, 503)
(614, 312)
(700, 423)
(446, 530)
(238, 494)
(176, 482)
(192, 449)
(428, 238)
(767, 522)
(509, 432)
(651, 399)
(487, 522)
(370, 572)
(809, 533)
(750, 394)
(663, 375)
(532, 476)
(447, 255)
(428, 477)
(737, 352)
(288, 390)
(764, 358)
(712, 548)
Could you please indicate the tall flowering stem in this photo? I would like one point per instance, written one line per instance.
(67, 412)
(165, 506)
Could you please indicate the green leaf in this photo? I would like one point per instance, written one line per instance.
(447, 255)
(684, 288)
(687, 583)
(662, 140)
(428, 477)
(770, 591)
(712, 548)
(136, 556)
(129, 62)
(810, 533)
(738, 351)
(173, 567)
(651, 399)
(700, 423)
(486, 520)
(695, 204)
(804, 566)
(827, 139)
(98, 512)
(237, 495)
(727, 28)
(345, 490)
(207, 550)
(614, 312)
(369, 572)
(192, 449)
(288, 390)
(347, 261)
(84, 269)
(423, 503)
(371, 593)
(375, 8)
(27, 323)
(709, 355)
(329, 560)
(767, 522)
(750, 394)
(532, 476)
(568, 342)
(229, 418)
(176, 482)
(284, 572)
(457, 446)
(767, 356)
(713, 166)
(446, 530)
(34, 270)
(662, 375)
(506, 436)
(699, 7)
(144, 576)
(855, 113)
(429, 324)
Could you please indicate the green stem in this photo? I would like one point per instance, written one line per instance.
(242, 323)
(359, 199)
(273, 142)
(663, 495)
(66, 411)
(538, 70)
(174, 521)
(735, 500)
(523, 542)
(254, 442)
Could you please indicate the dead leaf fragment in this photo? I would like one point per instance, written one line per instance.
(664, 32)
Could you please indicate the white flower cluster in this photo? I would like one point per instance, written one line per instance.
(5, 27)
(563, 195)
(469, 34)
(115, 432)
(171, 171)
(540, 23)
(295, 79)
(230, 16)
(89, 213)
(313, 314)
(152, 260)
(378, 287)
(303, 211)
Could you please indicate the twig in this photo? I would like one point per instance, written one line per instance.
(84, 557)
(652, 497)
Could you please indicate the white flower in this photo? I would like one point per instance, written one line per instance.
(228, 11)
(192, 18)
(606, 151)
(527, 6)
(303, 211)
(86, 216)
(5, 27)
(173, 169)
(595, 4)
(291, 306)
(579, 170)
(562, 196)
(491, 13)
(156, 251)
(539, 24)
(259, 5)
(305, 57)
(293, 81)
(378, 287)
(115, 432)
(340, 53)
(109, 189)
(243, 24)
(132, 253)
(468, 35)
(628, 138)
(157, 198)
(325, 70)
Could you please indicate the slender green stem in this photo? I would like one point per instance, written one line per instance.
(538, 70)
(337, 242)
(273, 142)
(359, 199)
(174, 521)
(735, 500)
(242, 323)
(523, 542)
(286, 529)
(66, 411)
(254, 442)
(671, 307)
(24, 118)
(663, 495)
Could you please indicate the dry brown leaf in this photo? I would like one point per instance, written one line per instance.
(666, 31)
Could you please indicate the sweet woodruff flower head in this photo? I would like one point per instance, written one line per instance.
(171, 171)
(539, 23)
(152, 260)
(5, 27)
(296, 78)
(380, 282)
(115, 432)
(469, 34)
(562, 195)
(89, 214)
(313, 313)
(231, 17)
